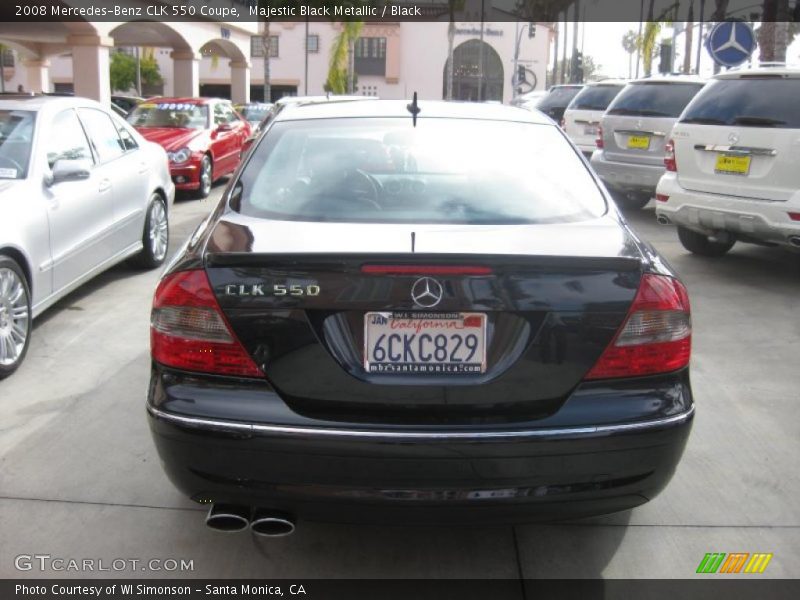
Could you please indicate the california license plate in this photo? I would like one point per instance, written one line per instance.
(639, 142)
(732, 164)
(397, 343)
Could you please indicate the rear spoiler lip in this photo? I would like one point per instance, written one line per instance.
(355, 261)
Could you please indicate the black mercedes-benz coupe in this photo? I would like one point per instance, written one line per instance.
(423, 312)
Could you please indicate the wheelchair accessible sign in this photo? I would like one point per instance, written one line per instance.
(730, 43)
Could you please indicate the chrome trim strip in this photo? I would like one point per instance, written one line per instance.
(740, 150)
(641, 132)
(478, 436)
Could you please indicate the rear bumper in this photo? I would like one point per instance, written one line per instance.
(706, 213)
(389, 474)
(625, 176)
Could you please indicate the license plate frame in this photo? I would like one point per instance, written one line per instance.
(733, 164)
(409, 326)
(589, 129)
(639, 142)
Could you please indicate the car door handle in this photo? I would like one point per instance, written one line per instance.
(104, 186)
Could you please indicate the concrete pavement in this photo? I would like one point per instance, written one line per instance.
(79, 476)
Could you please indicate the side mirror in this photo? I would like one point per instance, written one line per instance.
(66, 169)
(248, 143)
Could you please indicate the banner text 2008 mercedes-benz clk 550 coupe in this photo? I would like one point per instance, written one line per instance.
(422, 312)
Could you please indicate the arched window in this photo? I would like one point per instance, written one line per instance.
(468, 64)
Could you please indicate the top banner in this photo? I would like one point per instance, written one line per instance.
(232, 11)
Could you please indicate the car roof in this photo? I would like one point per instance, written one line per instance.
(37, 102)
(184, 100)
(607, 82)
(671, 78)
(778, 70)
(286, 100)
(399, 108)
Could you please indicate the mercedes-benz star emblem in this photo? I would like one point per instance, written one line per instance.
(731, 43)
(733, 138)
(427, 292)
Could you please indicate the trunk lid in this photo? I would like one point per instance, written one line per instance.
(638, 140)
(741, 137)
(764, 167)
(553, 296)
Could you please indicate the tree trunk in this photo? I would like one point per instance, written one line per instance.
(451, 36)
(773, 35)
(265, 42)
(687, 51)
(351, 64)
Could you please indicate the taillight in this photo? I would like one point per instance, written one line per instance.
(662, 197)
(669, 157)
(794, 216)
(656, 336)
(599, 139)
(188, 330)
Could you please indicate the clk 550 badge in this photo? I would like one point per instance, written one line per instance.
(278, 289)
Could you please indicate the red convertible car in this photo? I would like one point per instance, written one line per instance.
(203, 138)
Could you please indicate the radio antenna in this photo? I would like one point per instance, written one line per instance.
(414, 109)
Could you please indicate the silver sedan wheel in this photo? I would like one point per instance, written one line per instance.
(14, 317)
(159, 230)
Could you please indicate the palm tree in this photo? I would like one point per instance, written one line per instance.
(648, 45)
(341, 70)
(630, 43)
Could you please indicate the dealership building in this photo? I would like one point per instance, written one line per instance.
(392, 59)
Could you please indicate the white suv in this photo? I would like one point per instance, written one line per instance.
(633, 131)
(732, 167)
(583, 114)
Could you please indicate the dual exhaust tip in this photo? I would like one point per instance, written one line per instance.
(261, 521)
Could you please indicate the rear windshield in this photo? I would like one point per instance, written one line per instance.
(170, 114)
(751, 101)
(595, 97)
(441, 171)
(254, 112)
(657, 99)
(560, 96)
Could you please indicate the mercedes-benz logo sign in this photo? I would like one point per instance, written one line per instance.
(733, 138)
(427, 292)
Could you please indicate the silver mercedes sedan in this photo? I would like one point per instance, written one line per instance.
(80, 191)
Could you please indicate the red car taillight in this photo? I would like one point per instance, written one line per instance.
(188, 330)
(599, 139)
(656, 336)
(669, 157)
